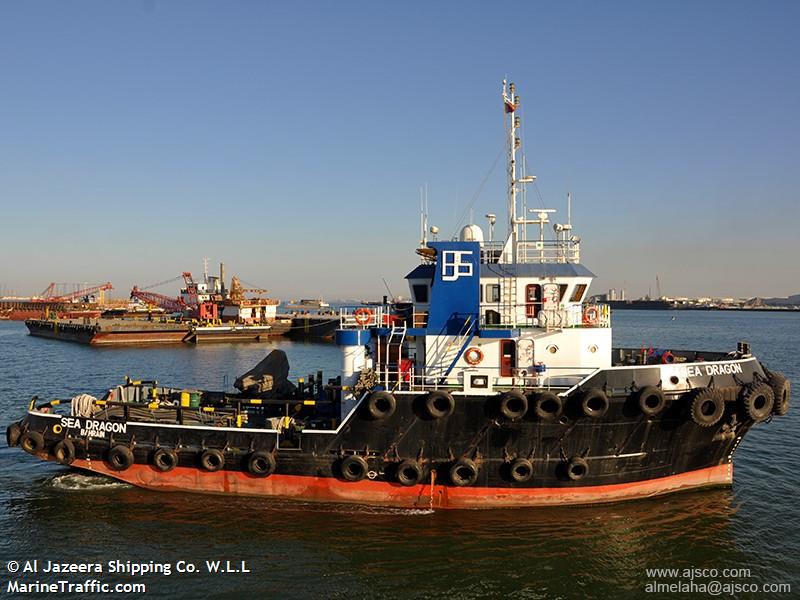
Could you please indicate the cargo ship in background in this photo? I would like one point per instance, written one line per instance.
(496, 386)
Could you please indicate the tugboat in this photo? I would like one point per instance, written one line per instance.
(497, 386)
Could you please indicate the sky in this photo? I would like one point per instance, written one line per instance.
(290, 140)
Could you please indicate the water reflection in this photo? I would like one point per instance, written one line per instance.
(601, 550)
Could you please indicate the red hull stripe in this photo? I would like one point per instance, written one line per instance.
(326, 489)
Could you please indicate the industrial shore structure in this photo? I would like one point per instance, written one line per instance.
(204, 311)
(496, 386)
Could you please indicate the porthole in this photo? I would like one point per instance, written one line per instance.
(593, 348)
(552, 348)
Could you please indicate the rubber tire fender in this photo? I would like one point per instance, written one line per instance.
(212, 460)
(707, 407)
(463, 472)
(408, 472)
(261, 463)
(594, 403)
(165, 459)
(758, 401)
(380, 405)
(32, 442)
(513, 405)
(577, 468)
(64, 452)
(353, 468)
(651, 400)
(782, 390)
(13, 433)
(520, 470)
(439, 404)
(543, 403)
(119, 457)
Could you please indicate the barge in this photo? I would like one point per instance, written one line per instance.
(132, 332)
(497, 387)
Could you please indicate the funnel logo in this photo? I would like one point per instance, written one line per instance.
(454, 265)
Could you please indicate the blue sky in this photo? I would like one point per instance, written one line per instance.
(290, 139)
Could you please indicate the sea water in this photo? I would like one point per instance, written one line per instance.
(745, 536)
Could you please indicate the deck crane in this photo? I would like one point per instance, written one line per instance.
(85, 293)
(166, 302)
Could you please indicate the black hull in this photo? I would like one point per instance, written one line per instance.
(624, 449)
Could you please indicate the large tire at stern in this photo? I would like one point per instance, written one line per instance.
(32, 442)
(707, 407)
(757, 401)
(13, 433)
(782, 389)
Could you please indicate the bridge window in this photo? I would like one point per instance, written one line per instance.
(577, 294)
(420, 292)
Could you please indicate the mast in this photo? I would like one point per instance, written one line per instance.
(510, 102)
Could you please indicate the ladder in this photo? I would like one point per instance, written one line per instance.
(396, 338)
(509, 301)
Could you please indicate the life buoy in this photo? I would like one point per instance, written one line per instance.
(707, 407)
(463, 472)
(212, 460)
(261, 463)
(758, 400)
(408, 473)
(362, 315)
(591, 315)
(473, 356)
(667, 358)
(120, 457)
(165, 459)
(353, 468)
(64, 452)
